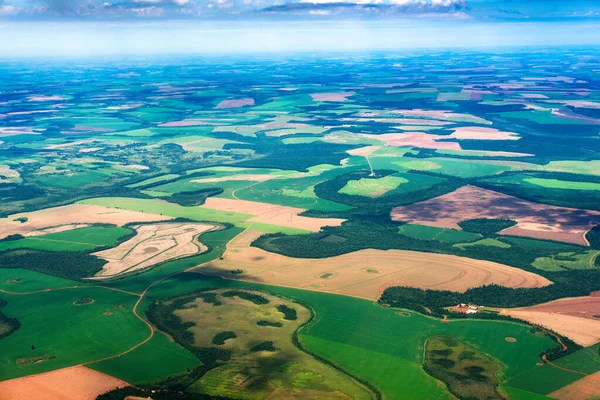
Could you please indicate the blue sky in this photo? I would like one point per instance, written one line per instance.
(481, 10)
(96, 27)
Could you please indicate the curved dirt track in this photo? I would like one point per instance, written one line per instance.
(365, 273)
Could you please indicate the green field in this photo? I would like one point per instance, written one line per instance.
(81, 239)
(485, 242)
(372, 187)
(425, 232)
(567, 260)
(558, 184)
(72, 334)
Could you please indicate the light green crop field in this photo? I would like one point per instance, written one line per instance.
(372, 187)
(18, 280)
(140, 366)
(560, 184)
(81, 239)
(567, 260)
(72, 334)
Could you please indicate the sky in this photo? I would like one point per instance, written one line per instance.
(94, 27)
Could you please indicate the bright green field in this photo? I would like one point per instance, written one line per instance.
(72, 334)
(81, 239)
(18, 280)
(372, 187)
(559, 184)
(448, 166)
(130, 367)
(424, 232)
(567, 260)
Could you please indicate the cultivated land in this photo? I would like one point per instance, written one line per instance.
(271, 214)
(365, 273)
(533, 219)
(70, 217)
(317, 152)
(265, 363)
(586, 388)
(577, 318)
(153, 244)
(74, 383)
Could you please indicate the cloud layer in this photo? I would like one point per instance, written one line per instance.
(303, 9)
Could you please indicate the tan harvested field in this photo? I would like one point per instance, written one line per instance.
(571, 317)
(236, 103)
(336, 96)
(586, 388)
(272, 214)
(72, 216)
(534, 220)
(363, 151)
(583, 331)
(74, 383)
(153, 244)
(441, 114)
(414, 139)
(479, 133)
(364, 273)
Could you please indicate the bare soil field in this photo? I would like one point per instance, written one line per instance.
(574, 317)
(587, 388)
(74, 383)
(337, 96)
(271, 214)
(415, 139)
(479, 133)
(153, 244)
(364, 273)
(236, 103)
(71, 216)
(363, 151)
(534, 220)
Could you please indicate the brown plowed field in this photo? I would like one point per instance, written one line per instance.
(534, 220)
(365, 273)
(272, 214)
(74, 383)
(587, 388)
(70, 216)
(153, 244)
(572, 317)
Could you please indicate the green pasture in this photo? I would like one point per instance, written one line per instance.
(70, 334)
(81, 239)
(140, 366)
(567, 260)
(425, 232)
(560, 184)
(372, 187)
(485, 242)
(151, 181)
(19, 280)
